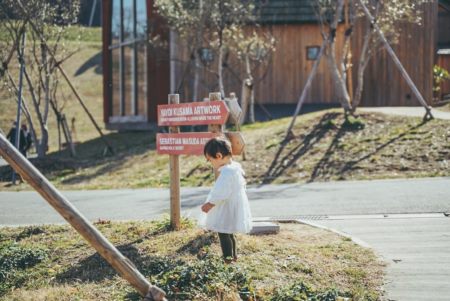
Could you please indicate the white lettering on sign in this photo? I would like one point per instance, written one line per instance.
(170, 141)
(205, 110)
(184, 111)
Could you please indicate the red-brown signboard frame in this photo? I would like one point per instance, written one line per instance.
(193, 113)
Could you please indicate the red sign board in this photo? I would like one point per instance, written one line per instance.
(183, 143)
(193, 113)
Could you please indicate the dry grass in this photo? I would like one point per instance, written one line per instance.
(323, 148)
(73, 271)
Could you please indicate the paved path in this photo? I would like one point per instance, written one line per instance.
(284, 201)
(402, 220)
(407, 111)
(416, 249)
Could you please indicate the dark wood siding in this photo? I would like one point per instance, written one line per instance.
(158, 78)
(285, 78)
(416, 48)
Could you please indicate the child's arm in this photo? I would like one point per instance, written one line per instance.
(220, 192)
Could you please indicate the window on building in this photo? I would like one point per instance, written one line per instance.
(312, 53)
(128, 57)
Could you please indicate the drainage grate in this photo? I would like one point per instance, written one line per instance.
(301, 217)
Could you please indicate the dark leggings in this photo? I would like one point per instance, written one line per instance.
(228, 245)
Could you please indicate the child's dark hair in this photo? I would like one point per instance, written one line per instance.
(217, 145)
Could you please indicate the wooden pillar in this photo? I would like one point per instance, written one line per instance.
(106, 60)
(119, 262)
(174, 165)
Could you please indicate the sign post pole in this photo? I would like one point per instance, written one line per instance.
(174, 163)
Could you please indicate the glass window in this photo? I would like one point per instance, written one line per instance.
(115, 85)
(141, 77)
(312, 53)
(128, 80)
(115, 23)
(128, 20)
(141, 19)
(128, 55)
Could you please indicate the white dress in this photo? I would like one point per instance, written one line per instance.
(231, 213)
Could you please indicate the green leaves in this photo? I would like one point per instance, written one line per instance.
(13, 259)
(439, 75)
(303, 292)
(206, 277)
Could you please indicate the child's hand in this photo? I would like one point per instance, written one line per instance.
(206, 207)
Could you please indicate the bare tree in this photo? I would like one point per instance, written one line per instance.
(388, 15)
(254, 52)
(207, 24)
(41, 69)
(329, 14)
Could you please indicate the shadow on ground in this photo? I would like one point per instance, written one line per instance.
(90, 154)
(333, 147)
(281, 162)
(93, 62)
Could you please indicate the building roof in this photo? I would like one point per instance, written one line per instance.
(295, 11)
(286, 11)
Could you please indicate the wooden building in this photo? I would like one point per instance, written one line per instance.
(137, 78)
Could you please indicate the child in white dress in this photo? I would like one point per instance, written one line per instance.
(227, 207)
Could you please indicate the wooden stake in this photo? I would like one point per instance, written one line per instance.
(174, 165)
(119, 262)
(399, 65)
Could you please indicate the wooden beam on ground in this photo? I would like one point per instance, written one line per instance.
(397, 62)
(119, 262)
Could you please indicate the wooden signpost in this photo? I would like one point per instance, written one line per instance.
(213, 113)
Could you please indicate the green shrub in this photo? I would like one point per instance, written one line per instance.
(302, 292)
(209, 277)
(13, 259)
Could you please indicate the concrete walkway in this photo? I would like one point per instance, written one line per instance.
(402, 220)
(415, 248)
(407, 111)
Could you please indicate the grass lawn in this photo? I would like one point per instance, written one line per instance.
(324, 147)
(83, 68)
(54, 263)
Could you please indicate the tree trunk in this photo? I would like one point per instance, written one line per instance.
(40, 149)
(220, 71)
(251, 103)
(44, 139)
(362, 64)
(339, 82)
(198, 63)
(25, 110)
